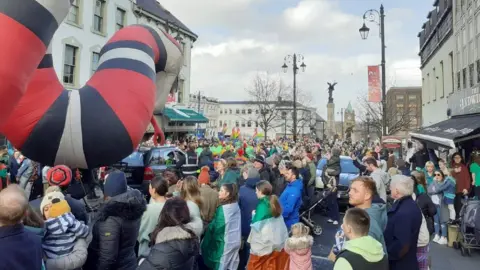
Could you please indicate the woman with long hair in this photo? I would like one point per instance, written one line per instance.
(269, 232)
(158, 190)
(173, 243)
(221, 244)
(462, 178)
(438, 191)
(189, 190)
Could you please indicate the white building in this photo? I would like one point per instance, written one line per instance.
(247, 116)
(90, 23)
(466, 16)
(437, 46)
(210, 108)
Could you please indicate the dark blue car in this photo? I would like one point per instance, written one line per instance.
(349, 172)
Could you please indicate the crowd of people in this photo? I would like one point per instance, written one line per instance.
(239, 207)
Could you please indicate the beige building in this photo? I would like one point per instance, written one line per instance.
(404, 110)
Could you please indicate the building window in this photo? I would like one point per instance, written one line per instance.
(451, 71)
(243, 123)
(249, 124)
(230, 111)
(412, 97)
(464, 76)
(399, 97)
(74, 13)
(119, 19)
(478, 71)
(69, 64)
(184, 51)
(442, 93)
(249, 111)
(243, 111)
(221, 112)
(237, 111)
(98, 16)
(459, 80)
(256, 111)
(237, 124)
(471, 72)
(95, 59)
(256, 123)
(435, 78)
(220, 123)
(180, 91)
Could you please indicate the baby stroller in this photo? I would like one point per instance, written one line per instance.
(306, 214)
(466, 240)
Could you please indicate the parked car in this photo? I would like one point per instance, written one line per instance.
(141, 166)
(348, 173)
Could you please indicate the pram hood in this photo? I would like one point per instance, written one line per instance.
(468, 214)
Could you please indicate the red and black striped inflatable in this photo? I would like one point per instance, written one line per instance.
(102, 122)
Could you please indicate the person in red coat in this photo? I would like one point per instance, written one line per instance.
(462, 177)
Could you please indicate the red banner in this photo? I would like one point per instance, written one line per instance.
(374, 88)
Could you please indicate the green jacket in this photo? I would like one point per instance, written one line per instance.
(313, 173)
(230, 177)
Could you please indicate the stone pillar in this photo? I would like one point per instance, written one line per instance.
(331, 119)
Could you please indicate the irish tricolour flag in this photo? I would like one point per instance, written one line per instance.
(222, 239)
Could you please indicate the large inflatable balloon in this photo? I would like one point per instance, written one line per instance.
(98, 124)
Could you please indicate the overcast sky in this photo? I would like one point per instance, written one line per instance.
(239, 38)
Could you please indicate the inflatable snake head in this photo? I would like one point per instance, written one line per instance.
(98, 124)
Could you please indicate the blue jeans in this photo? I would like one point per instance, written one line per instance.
(439, 226)
(332, 207)
(244, 255)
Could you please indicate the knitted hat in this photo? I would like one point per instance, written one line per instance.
(115, 184)
(59, 175)
(58, 208)
(260, 159)
(49, 197)
(204, 176)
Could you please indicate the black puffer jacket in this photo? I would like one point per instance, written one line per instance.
(115, 233)
(428, 210)
(174, 249)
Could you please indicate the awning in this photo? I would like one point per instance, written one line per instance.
(184, 115)
(451, 131)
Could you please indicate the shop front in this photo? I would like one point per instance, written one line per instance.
(461, 131)
(178, 123)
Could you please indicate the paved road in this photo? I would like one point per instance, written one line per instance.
(442, 257)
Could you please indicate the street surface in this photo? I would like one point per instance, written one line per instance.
(442, 257)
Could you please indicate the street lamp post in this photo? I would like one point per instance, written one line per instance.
(295, 61)
(371, 16)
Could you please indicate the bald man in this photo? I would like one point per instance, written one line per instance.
(20, 248)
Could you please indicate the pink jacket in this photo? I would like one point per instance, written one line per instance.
(300, 251)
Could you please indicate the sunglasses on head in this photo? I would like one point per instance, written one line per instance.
(437, 174)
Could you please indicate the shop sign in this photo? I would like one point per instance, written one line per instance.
(465, 101)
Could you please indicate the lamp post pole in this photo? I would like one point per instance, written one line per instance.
(198, 104)
(370, 16)
(294, 59)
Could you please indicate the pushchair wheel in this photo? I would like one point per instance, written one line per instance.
(455, 245)
(317, 230)
(463, 250)
(469, 252)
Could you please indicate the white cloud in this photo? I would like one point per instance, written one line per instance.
(238, 38)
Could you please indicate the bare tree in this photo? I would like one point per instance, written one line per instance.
(264, 93)
(304, 112)
(398, 119)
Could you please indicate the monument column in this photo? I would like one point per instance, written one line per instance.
(331, 119)
(331, 111)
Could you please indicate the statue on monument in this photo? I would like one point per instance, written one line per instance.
(331, 88)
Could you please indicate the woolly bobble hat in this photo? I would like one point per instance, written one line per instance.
(51, 195)
(58, 208)
(204, 176)
(59, 175)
